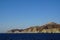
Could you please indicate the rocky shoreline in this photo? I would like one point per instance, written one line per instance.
(50, 27)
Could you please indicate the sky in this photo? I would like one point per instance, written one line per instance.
(19, 14)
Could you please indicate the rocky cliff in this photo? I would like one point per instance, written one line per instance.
(50, 27)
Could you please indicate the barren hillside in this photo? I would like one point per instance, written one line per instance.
(50, 27)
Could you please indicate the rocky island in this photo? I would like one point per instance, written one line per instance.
(50, 27)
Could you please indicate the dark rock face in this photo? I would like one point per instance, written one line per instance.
(50, 27)
(13, 30)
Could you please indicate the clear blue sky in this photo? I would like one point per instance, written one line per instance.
(25, 13)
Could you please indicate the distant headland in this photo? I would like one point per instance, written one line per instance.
(50, 27)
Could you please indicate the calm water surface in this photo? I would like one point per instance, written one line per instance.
(30, 36)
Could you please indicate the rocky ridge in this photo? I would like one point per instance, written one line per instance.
(50, 27)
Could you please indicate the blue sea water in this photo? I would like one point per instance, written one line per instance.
(30, 36)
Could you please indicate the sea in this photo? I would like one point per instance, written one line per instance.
(29, 36)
